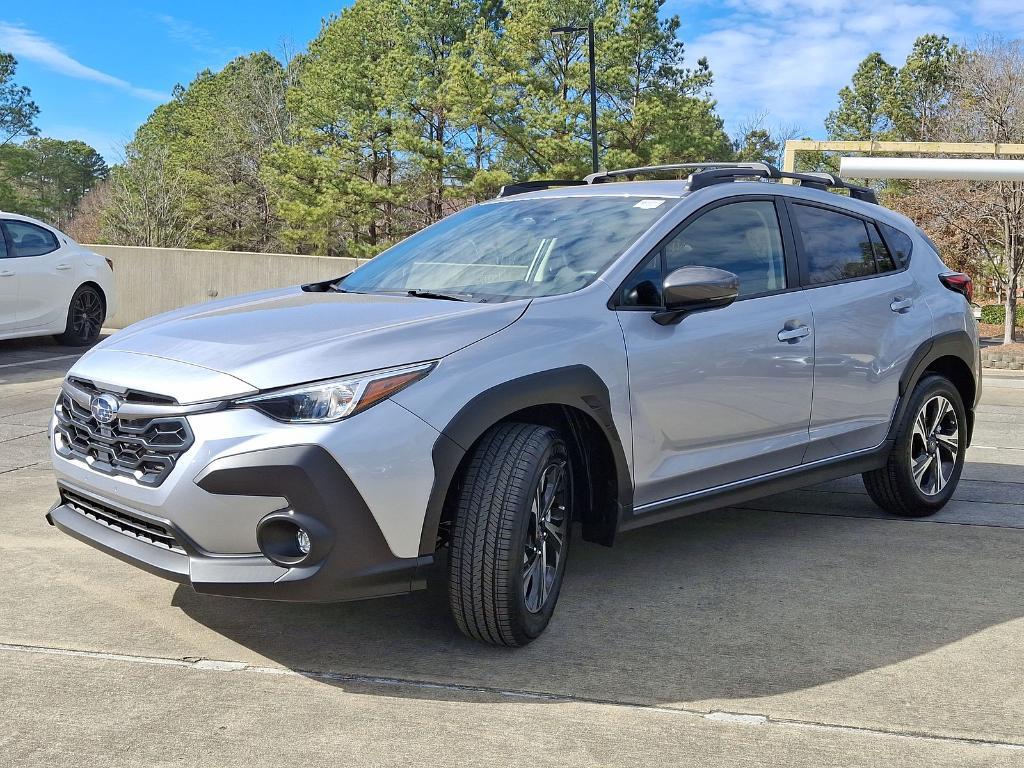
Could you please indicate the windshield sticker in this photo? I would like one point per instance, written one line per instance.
(648, 203)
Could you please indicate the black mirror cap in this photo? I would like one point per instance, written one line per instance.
(695, 289)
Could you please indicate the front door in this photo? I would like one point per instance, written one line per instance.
(8, 290)
(46, 273)
(725, 394)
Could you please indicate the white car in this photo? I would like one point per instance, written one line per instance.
(49, 284)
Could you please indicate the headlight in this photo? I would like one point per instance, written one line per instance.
(335, 399)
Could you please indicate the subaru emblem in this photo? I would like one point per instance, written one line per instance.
(104, 408)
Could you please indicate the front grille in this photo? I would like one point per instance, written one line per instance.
(144, 449)
(130, 525)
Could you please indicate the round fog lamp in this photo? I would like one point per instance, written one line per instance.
(302, 539)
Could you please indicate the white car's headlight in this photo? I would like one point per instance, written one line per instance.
(335, 399)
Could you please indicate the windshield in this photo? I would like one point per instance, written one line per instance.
(511, 249)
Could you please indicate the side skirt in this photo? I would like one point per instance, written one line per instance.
(757, 487)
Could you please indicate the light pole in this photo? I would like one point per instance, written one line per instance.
(589, 29)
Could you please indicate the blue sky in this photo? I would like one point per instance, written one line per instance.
(97, 69)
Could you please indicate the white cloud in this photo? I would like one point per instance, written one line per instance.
(791, 57)
(200, 40)
(26, 44)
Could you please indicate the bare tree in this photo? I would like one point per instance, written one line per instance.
(756, 140)
(979, 225)
(147, 201)
(86, 221)
(988, 106)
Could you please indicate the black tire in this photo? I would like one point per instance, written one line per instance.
(894, 487)
(490, 573)
(86, 313)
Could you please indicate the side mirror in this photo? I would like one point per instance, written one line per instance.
(695, 289)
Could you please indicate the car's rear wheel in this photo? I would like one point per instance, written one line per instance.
(927, 458)
(510, 537)
(86, 314)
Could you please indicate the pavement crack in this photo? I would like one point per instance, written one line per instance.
(742, 719)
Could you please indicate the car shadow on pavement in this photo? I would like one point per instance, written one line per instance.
(727, 604)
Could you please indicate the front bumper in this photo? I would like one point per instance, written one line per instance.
(350, 560)
(244, 470)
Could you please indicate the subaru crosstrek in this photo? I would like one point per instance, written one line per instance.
(599, 354)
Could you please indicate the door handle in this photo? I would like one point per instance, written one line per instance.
(794, 334)
(63, 267)
(901, 305)
(6, 273)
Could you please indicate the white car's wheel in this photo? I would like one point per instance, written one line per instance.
(86, 314)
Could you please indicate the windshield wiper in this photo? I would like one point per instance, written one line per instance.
(421, 294)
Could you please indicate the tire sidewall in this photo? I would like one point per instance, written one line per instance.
(533, 624)
(925, 390)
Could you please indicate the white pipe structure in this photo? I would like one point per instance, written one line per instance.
(930, 168)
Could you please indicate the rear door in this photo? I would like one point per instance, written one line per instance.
(720, 396)
(8, 289)
(868, 319)
(46, 270)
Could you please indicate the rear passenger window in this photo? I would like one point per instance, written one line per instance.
(743, 238)
(836, 246)
(899, 243)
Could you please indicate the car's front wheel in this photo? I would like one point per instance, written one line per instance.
(510, 537)
(86, 314)
(928, 456)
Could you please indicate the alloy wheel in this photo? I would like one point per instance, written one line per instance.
(546, 535)
(934, 445)
(87, 315)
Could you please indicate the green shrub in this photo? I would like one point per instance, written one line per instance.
(995, 314)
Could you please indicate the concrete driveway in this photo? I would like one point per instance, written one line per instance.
(805, 629)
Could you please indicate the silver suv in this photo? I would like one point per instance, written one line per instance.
(601, 352)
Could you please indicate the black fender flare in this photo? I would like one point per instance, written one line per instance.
(950, 344)
(576, 386)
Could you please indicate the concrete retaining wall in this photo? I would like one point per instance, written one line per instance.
(154, 280)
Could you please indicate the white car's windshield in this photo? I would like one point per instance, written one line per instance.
(511, 249)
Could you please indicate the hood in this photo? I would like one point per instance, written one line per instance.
(290, 336)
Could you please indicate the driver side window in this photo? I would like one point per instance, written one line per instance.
(743, 238)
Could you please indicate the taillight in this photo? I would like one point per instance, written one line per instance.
(959, 282)
(110, 264)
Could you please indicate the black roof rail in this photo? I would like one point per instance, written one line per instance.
(537, 185)
(827, 181)
(725, 174)
(813, 180)
(602, 176)
(706, 175)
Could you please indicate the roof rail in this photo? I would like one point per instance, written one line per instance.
(602, 176)
(520, 187)
(813, 180)
(705, 175)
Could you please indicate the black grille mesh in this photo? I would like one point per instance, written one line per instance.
(142, 449)
(122, 522)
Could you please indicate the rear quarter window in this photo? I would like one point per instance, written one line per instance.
(900, 243)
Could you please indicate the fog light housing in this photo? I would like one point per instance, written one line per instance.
(291, 539)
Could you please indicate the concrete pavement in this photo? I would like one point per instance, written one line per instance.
(805, 629)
